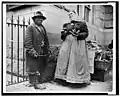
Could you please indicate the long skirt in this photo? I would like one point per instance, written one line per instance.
(72, 63)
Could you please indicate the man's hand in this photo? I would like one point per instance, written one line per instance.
(35, 55)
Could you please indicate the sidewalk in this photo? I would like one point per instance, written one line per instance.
(95, 86)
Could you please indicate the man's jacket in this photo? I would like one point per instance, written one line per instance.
(34, 38)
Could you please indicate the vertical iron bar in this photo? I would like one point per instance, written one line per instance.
(12, 49)
(18, 52)
(93, 14)
(78, 10)
(23, 46)
(84, 13)
(29, 21)
(26, 66)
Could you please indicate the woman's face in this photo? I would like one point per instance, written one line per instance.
(38, 20)
(71, 15)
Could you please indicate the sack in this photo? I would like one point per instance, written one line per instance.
(91, 56)
(49, 72)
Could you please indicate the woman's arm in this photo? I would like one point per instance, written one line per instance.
(64, 31)
(83, 32)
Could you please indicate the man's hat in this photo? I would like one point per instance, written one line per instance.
(39, 14)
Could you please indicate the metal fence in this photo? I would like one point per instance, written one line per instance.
(15, 55)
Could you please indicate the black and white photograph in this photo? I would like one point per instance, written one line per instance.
(59, 48)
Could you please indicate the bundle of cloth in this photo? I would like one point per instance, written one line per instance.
(92, 45)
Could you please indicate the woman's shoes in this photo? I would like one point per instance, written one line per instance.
(88, 83)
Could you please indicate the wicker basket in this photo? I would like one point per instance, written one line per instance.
(103, 65)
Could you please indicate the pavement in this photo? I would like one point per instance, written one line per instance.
(55, 87)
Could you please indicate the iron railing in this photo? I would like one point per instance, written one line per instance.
(16, 68)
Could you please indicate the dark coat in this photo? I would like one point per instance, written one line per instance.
(32, 44)
(78, 25)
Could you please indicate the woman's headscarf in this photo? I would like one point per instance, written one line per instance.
(73, 16)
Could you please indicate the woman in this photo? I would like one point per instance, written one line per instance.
(72, 63)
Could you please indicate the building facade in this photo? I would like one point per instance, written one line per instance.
(99, 19)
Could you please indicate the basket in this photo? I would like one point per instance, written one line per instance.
(103, 65)
(101, 75)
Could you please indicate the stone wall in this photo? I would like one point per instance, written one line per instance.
(102, 28)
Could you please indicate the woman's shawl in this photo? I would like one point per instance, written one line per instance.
(76, 28)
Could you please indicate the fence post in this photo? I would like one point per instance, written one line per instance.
(29, 21)
(23, 45)
(18, 52)
(12, 49)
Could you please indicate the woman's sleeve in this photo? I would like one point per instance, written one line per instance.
(28, 43)
(63, 32)
(83, 32)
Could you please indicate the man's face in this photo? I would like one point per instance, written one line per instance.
(38, 20)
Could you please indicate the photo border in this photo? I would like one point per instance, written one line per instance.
(117, 49)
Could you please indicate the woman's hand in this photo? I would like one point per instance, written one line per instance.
(73, 33)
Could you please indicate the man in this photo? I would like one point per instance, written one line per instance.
(36, 44)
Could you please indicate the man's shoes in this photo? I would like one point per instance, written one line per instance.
(39, 86)
(29, 85)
